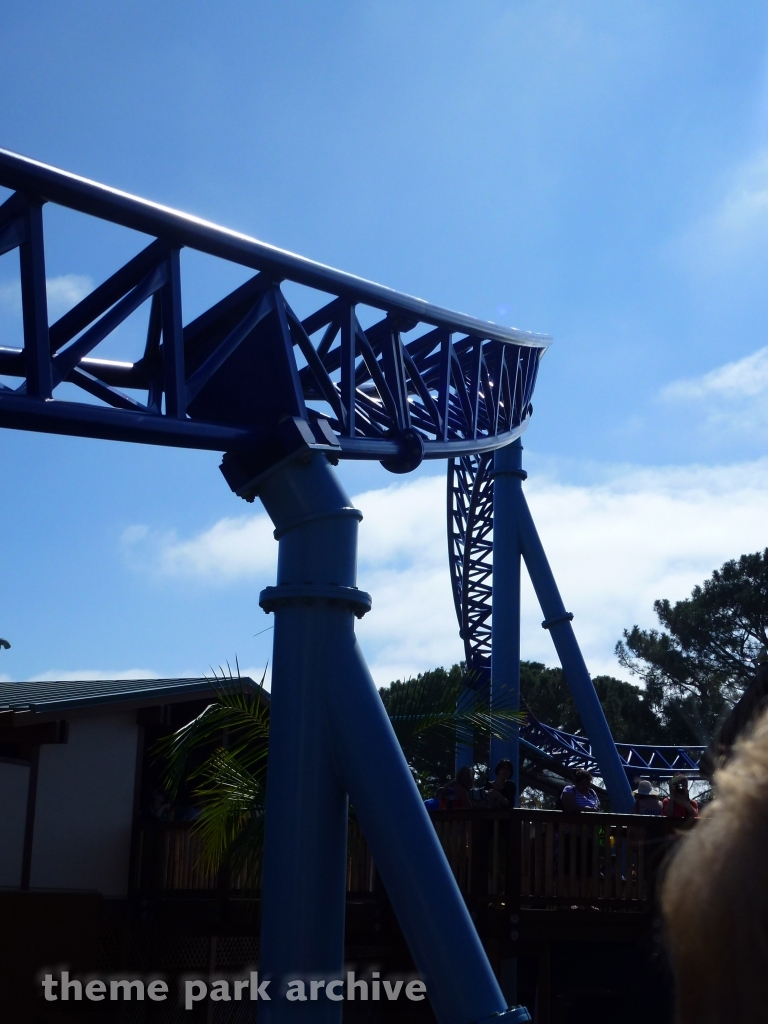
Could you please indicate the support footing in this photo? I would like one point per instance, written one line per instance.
(512, 1015)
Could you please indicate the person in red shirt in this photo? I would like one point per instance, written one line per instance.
(679, 804)
(456, 795)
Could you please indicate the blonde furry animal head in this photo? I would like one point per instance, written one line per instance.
(715, 896)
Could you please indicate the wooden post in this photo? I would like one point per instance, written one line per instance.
(212, 958)
(480, 836)
(513, 880)
(513, 884)
(543, 1009)
(29, 826)
(134, 863)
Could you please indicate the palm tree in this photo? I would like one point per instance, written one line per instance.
(229, 781)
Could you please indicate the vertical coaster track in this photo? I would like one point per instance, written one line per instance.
(470, 546)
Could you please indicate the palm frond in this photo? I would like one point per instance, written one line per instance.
(428, 714)
(418, 706)
(231, 821)
(243, 717)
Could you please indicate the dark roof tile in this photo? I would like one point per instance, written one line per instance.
(65, 694)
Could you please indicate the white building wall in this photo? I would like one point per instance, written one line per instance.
(14, 783)
(84, 807)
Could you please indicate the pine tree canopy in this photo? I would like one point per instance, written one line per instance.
(629, 716)
(697, 665)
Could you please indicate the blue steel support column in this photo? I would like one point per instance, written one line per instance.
(304, 877)
(330, 735)
(558, 621)
(505, 652)
(421, 887)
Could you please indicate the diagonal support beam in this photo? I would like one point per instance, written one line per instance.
(348, 349)
(517, 515)
(375, 372)
(152, 360)
(225, 349)
(111, 396)
(105, 295)
(68, 359)
(394, 373)
(173, 340)
(34, 303)
(315, 364)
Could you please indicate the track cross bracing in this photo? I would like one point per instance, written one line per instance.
(470, 542)
(417, 381)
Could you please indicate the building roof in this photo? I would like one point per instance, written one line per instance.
(64, 695)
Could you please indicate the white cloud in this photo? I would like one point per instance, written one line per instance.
(744, 378)
(743, 215)
(614, 547)
(400, 522)
(231, 549)
(403, 564)
(734, 233)
(64, 292)
(90, 673)
(730, 400)
(641, 535)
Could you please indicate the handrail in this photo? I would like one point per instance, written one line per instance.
(91, 197)
(249, 376)
(523, 858)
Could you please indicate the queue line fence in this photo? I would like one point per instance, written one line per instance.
(525, 858)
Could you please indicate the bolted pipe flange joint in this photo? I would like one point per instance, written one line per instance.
(512, 1015)
(521, 473)
(556, 619)
(307, 593)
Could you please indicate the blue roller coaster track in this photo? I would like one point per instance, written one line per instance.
(250, 378)
(470, 540)
(347, 370)
(417, 382)
(363, 373)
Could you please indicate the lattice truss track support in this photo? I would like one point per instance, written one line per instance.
(364, 372)
(471, 553)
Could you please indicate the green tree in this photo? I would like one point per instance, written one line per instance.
(696, 666)
(426, 713)
(629, 715)
(223, 755)
(431, 754)
(228, 780)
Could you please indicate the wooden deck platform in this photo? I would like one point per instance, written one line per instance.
(564, 905)
(522, 858)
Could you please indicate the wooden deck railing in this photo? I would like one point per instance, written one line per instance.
(170, 858)
(521, 858)
(594, 859)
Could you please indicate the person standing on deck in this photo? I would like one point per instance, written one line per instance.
(579, 796)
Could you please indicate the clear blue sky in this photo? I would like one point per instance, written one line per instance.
(597, 171)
